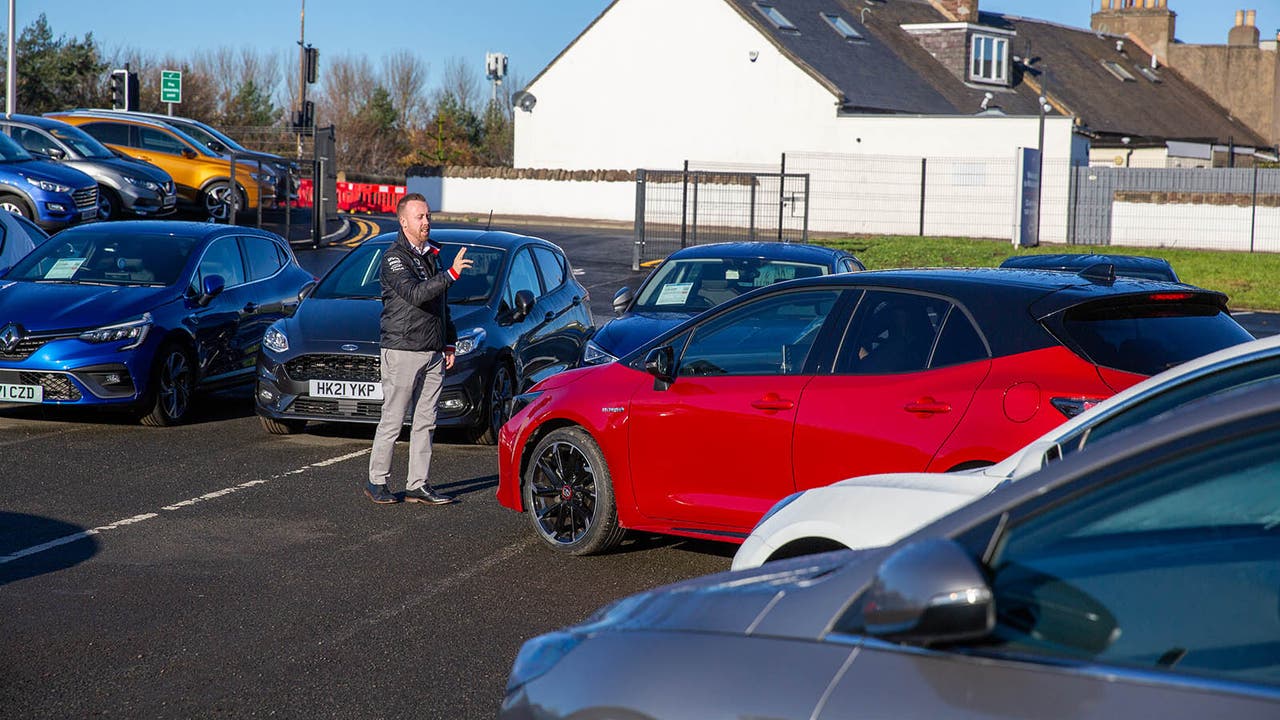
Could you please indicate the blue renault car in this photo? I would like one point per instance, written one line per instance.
(52, 195)
(140, 315)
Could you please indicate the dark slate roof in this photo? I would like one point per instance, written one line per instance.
(889, 71)
(867, 74)
(1173, 108)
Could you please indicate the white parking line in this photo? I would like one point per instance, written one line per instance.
(34, 549)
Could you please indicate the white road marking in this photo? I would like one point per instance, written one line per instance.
(34, 549)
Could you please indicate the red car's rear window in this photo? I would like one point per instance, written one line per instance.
(1152, 335)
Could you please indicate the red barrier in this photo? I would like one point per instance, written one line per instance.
(357, 197)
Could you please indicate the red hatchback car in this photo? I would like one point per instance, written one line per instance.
(701, 430)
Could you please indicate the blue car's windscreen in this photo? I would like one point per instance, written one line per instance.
(357, 275)
(107, 259)
(696, 284)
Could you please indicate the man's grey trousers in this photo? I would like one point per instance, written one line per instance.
(409, 379)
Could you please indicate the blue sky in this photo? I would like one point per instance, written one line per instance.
(530, 32)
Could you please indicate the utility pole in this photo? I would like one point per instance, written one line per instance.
(11, 76)
(302, 68)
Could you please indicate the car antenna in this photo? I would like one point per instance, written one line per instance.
(1100, 273)
(490, 222)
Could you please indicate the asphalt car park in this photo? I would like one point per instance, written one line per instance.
(212, 569)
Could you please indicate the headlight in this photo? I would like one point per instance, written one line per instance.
(47, 186)
(538, 656)
(275, 340)
(593, 354)
(469, 341)
(154, 187)
(135, 331)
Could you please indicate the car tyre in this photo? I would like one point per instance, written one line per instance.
(282, 427)
(501, 389)
(17, 206)
(108, 203)
(172, 387)
(217, 199)
(568, 495)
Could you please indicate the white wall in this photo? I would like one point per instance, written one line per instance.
(1200, 225)
(593, 200)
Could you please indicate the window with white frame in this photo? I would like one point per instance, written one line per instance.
(989, 59)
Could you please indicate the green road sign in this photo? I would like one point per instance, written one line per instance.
(170, 86)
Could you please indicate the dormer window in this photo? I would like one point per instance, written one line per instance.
(989, 59)
(775, 16)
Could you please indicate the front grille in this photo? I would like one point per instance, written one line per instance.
(336, 408)
(167, 187)
(29, 345)
(356, 368)
(86, 198)
(57, 386)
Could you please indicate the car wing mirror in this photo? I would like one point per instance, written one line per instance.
(189, 154)
(927, 593)
(661, 364)
(621, 300)
(524, 305)
(211, 288)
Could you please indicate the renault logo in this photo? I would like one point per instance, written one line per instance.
(350, 348)
(10, 336)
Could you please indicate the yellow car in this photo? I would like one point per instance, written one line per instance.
(202, 178)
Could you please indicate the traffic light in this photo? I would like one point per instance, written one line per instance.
(118, 89)
(306, 117)
(131, 91)
(124, 90)
(311, 64)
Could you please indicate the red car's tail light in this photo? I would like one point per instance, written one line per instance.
(1170, 297)
(1073, 406)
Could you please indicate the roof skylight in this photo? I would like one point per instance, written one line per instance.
(776, 17)
(1118, 70)
(842, 26)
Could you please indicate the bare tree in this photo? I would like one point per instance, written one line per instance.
(405, 77)
(461, 82)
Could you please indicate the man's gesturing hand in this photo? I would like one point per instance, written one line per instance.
(461, 262)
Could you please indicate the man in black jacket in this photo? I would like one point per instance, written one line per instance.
(417, 347)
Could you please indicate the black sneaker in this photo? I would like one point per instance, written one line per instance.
(427, 494)
(379, 494)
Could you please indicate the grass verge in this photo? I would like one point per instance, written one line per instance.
(1251, 280)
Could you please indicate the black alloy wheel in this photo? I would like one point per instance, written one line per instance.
(568, 494)
(172, 385)
(501, 389)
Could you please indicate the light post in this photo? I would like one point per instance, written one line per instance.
(1044, 108)
(11, 74)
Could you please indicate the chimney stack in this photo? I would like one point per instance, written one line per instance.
(1245, 33)
(1151, 21)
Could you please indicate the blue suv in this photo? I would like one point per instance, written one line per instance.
(141, 314)
(52, 195)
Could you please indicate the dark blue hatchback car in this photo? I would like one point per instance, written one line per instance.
(520, 313)
(696, 278)
(140, 314)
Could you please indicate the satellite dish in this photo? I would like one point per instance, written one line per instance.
(524, 100)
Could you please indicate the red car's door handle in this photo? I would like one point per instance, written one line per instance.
(929, 406)
(771, 401)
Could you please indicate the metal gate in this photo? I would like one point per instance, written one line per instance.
(679, 208)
